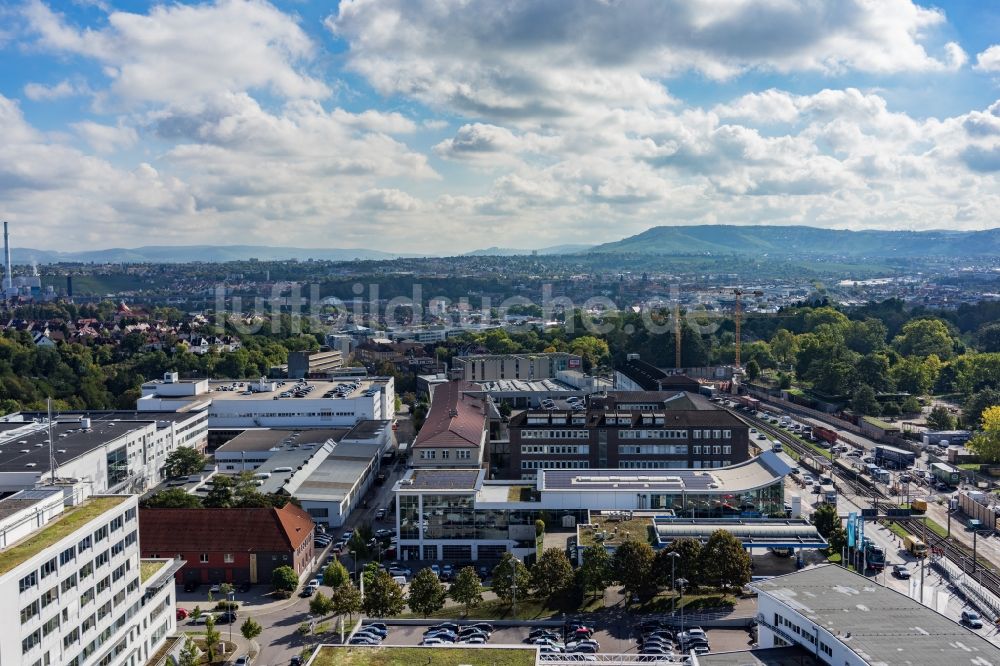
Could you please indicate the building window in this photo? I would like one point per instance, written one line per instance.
(727, 434)
(696, 434)
(48, 568)
(445, 454)
(29, 581)
(203, 558)
(29, 611)
(228, 558)
(727, 449)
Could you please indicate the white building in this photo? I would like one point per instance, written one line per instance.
(274, 403)
(75, 590)
(96, 452)
(846, 619)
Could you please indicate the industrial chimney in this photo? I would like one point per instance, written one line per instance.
(8, 280)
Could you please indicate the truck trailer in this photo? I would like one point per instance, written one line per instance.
(946, 473)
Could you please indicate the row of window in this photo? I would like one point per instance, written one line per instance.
(652, 464)
(654, 449)
(567, 449)
(714, 450)
(807, 634)
(431, 454)
(555, 434)
(655, 433)
(555, 464)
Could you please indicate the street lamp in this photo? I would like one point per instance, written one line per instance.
(354, 558)
(681, 584)
(231, 598)
(674, 556)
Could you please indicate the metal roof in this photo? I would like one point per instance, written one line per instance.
(760, 533)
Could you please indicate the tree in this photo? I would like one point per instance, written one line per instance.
(284, 579)
(940, 418)
(687, 566)
(784, 381)
(979, 402)
(319, 605)
(989, 338)
(251, 629)
(467, 589)
(359, 542)
(825, 518)
(923, 337)
(593, 351)
(336, 574)
(864, 401)
(345, 599)
(509, 576)
(212, 637)
(384, 597)
(505, 408)
(539, 527)
(837, 539)
(784, 346)
(632, 564)
(986, 443)
(427, 594)
(910, 405)
(753, 370)
(190, 654)
(552, 574)
(222, 493)
(595, 572)
(183, 461)
(725, 564)
(173, 498)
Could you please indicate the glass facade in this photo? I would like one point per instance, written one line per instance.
(453, 517)
(761, 502)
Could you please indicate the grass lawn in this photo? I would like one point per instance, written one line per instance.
(691, 603)
(639, 529)
(70, 520)
(148, 568)
(527, 609)
(423, 656)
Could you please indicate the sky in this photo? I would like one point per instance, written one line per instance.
(443, 126)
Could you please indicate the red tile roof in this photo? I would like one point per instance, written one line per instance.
(169, 531)
(454, 420)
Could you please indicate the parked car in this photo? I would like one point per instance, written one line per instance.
(485, 626)
(971, 619)
(436, 570)
(296, 661)
(226, 617)
(450, 626)
(245, 660)
(245, 586)
(541, 633)
(191, 586)
(380, 514)
(430, 640)
(182, 613)
(400, 571)
(380, 631)
(477, 639)
(363, 640)
(900, 571)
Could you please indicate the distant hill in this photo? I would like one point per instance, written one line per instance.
(189, 253)
(510, 252)
(802, 240)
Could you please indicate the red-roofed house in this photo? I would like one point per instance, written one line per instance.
(455, 433)
(229, 545)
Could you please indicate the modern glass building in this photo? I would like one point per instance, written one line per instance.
(455, 514)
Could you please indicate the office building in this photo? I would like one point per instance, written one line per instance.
(464, 516)
(630, 430)
(76, 592)
(94, 452)
(310, 364)
(236, 405)
(494, 367)
(455, 432)
(845, 619)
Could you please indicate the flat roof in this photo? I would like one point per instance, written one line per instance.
(24, 447)
(766, 532)
(368, 429)
(441, 479)
(337, 475)
(320, 388)
(25, 499)
(117, 415)
(528, 386)
(265, 439)
(672, 418)
(879, 624)
(754, 473)
(71, 519)
(792, 655)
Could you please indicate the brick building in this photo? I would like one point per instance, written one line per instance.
(229, 545)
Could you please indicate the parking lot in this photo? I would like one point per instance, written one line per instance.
(616, 639)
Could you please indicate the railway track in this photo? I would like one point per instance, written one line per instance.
(954, 551)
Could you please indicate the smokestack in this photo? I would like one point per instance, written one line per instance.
(69, 286)
(8, 280)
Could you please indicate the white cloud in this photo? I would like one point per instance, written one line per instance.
(39, 92)
(106, 138)
(989, 60)
(387, 200)
(179, 52)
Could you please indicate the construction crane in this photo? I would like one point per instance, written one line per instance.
(738, 317)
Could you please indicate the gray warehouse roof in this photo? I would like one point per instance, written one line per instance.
(879, 624)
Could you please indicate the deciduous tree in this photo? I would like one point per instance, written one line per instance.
(986, 443)
(552, 574)
(510, 578)
(467, 589)
(825, 518)
(940, 418)
(427, 594)
(285, 579)
(633, 564)
(335, 574)
(183, 461)
(725, 564)
(595, 572)
(384, 597)
(345, 599)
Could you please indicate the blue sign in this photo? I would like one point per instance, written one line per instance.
(851, 518)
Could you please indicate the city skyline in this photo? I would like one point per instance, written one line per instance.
(392, 126)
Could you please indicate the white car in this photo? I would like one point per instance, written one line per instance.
(434, 641)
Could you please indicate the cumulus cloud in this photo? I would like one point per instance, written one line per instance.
(989, 60)
(179, 52)
(39, 92)
(106, 138)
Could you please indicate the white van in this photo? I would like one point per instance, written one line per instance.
(281, 469)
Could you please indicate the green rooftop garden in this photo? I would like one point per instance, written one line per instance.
(617, 530)
(148, 568)
(68, 522)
